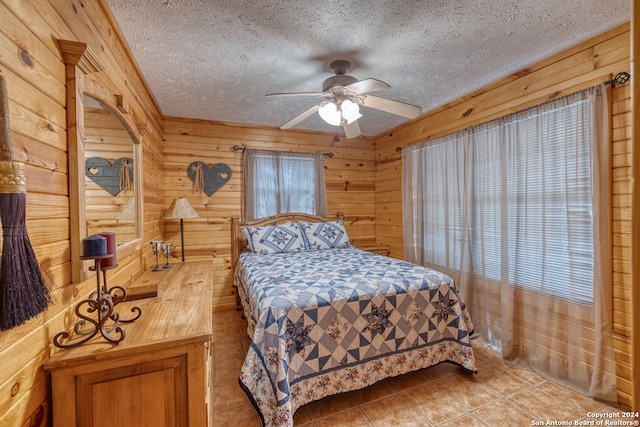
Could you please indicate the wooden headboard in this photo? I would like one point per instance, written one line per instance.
(239, 239)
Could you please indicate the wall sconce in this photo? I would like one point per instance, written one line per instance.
(181, 209)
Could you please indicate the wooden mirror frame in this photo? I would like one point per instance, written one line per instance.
(80, 62)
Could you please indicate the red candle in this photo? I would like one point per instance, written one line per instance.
(111, 249)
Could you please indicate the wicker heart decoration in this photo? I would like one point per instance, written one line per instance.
(111, 177)
(208, 178)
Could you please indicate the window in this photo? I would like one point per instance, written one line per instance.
(509, 201)
(277, 182)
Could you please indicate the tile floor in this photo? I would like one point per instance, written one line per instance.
(443, 395)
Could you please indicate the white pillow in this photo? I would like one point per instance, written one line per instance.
(325, 235)
(276, 238)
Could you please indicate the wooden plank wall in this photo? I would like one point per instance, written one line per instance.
(584, 65)
(635, 204)
(349, 178)
(32, 65)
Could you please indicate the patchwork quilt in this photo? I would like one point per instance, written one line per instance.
(329, 321)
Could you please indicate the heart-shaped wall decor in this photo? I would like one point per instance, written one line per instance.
(112, 177)
(208, 178)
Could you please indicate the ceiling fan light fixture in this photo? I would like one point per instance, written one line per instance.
(343, 95)
(329, 113)
(350, 111)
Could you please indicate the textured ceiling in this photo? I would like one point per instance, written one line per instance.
(215, 60)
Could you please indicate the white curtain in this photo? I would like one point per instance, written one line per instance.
(517, 212)
(278, 181)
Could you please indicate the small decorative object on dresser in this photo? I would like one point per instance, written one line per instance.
(181, 209)
(101, 249)
(156, 247)
(166, 250)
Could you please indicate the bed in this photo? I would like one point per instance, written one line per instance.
(325, 317)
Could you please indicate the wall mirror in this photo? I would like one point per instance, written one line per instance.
(109, 174)
(105, 172)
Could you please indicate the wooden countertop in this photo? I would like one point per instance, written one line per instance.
(181, 314)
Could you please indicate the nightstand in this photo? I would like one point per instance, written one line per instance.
(380, 250)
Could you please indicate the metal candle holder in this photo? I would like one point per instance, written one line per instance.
(102, 300)
(156, 247)
(166, 250)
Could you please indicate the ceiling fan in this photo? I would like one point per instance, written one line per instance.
(344, 95)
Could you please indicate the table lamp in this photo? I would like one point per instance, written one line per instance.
(180, 209)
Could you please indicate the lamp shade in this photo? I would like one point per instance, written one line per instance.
(129, 211)
(180, 208)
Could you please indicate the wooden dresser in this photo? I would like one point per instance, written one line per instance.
(159, 375)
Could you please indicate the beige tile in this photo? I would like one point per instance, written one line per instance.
(500, 380)
(570, 397)
(544, 406)
(502, 413)
(303, 416)
(467, 390)
(222, 319)
(223, 333)
(227, 369)
(468, 420)
(407, 381)
(392, 412)
(433, 404)
(230, 347)
(524, 374)
(483, 352)
(228, 395)
(244, 416)
(224, 315)
(351, 418)
(482, 364)
(333, 404)
(377, 391)
(443, 370)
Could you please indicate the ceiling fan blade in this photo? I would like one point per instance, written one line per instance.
(367, 85)
(300, 117)
(351, 130)
(298, 94)
(393, 107)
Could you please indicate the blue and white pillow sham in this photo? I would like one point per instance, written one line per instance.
(276, 238)
(297, 237)
(325, 235)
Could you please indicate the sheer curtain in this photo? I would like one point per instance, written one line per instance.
(278, 181)
(517, 212)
